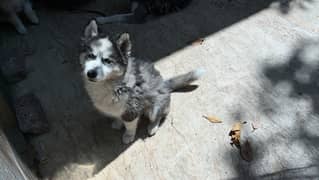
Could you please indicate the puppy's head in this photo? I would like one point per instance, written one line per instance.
(101, 58)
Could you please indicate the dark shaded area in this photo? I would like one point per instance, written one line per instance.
(188, 88)
(289, 73)
(249, 170)
(79, 133)
(300, 64)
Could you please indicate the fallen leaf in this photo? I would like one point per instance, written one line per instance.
(213, 119)
(235, 135)
(236, 127)
(246, 151)
(198, 41)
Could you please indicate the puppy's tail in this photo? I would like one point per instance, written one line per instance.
(183, 80)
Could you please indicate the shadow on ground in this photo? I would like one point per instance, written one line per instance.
(288, 139)
(302, 75)
(285, 5)
(79, 134)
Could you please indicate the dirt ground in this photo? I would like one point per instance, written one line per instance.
(262, 62)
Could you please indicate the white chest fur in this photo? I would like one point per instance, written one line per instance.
(102, 98)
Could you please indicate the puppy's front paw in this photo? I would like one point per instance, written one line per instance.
(127, 138)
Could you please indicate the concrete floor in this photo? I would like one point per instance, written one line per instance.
(262, 60)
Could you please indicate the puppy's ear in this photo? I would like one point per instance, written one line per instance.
(91, 30)
(124, 44)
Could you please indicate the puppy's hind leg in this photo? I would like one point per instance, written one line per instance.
(15, 20)
(158, 112)
(29, 12)
(154, 121)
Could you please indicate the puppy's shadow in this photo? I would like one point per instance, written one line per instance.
(186, 89)
(112, 145)
(109, 141)
(105, 136)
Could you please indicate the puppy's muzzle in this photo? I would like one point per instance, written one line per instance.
(91, 74)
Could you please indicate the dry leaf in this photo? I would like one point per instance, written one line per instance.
(235, 135)
(244, 148)
(213, 119)
(198, 41)
(236, 127)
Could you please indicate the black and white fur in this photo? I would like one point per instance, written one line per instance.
(9, 10)
(131, 87)
(141, 10)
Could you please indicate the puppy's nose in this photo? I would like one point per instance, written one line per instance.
(92, 74)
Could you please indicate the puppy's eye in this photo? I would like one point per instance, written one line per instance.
(107, 61)
(91, 56)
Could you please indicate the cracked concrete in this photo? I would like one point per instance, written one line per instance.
(262, 66)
